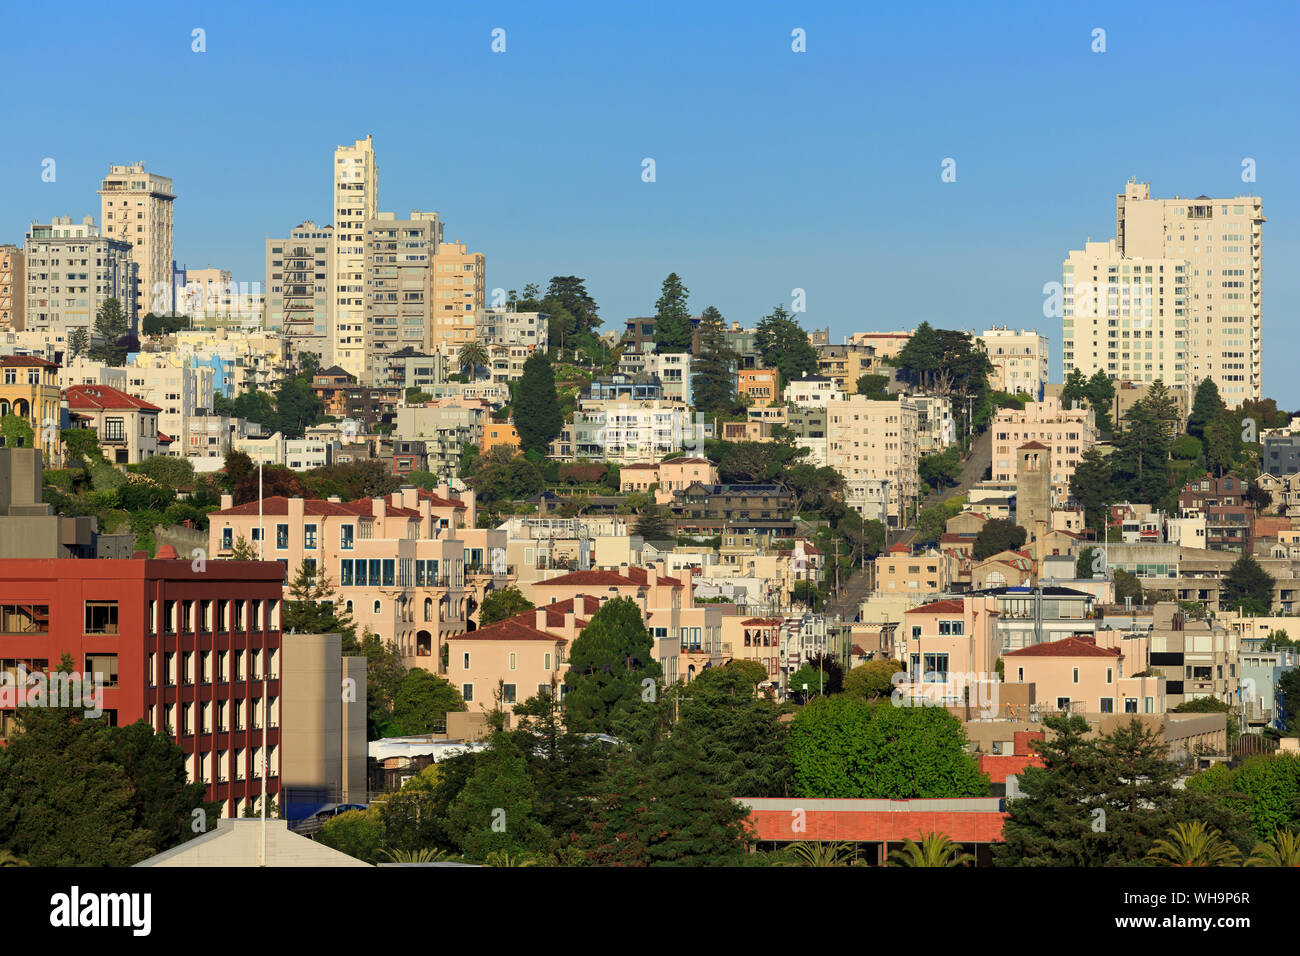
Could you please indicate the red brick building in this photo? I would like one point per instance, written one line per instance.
(181, 645)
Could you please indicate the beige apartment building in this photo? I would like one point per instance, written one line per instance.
(71, 270)
(1067, 432)
(1074, 675)
(300, 290)
(13, 294)
(918, 576)
(127, 426)
(872, 441)
(356, 201)
(1127, 317)
(136, 207)
(459, 295)
(408, 567)
(948, 648)
(1019, 359)
(1219, 243)
(399, 258)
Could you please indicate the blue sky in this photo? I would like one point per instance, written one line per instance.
(775, 170)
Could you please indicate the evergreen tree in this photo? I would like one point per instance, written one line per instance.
(713, 385)
(1101, 397)
(78, 341)
(111, 330)
(741, 734)
(783, 345)
(570, 294)
(501, 604)
(608, 663)
(672, 317)
(494, 811)
(666, 812)
(537, 415)
(1248, 587)
(654, 525)
(1207, 405)
(162, 799)
(1091, 486)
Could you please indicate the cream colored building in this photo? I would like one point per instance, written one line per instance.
(1221, 242)
(356, 200)
(300, 289)
(459, 295)
(136, 207)
(1127, 317)
(1067, 432)
(876, 441)
(322, 730)
(399, 258)
(1019, 358)
(13, 294)
(71, 270)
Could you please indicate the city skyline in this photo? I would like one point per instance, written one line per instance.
(748, 204)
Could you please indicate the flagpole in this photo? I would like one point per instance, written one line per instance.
(261, 552)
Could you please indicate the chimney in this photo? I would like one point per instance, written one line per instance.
(570, 622)
(379, 507)
(540, 619)
(227, 501)
(652, 574)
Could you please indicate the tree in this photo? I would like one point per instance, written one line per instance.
(665, 812)
(1125, 780)
(422, 702)
(501, 604)
(358, 833)
(1193, 844)
(1127, 586)
(16, 432)
(872, 680)
(740, 734)
(163, 800)
(935, 849)
(654, 525)
(1281, 849)
(311, 609)
(81, 444)
(844, 747)
(672, 316)
(111, 331)
(1248, 586)
(537, 415)
(713, 387)
(1100, 392)
(78, 342)
(472, 355)
(1211, 705)
(997, 535)
(1092, 487)
(608, 663)
(570, 294)
(64, 800)
(1083, 564)
(940, 470)
(1207, 405)
(783, 345)
(297, 406)
(494, 811)
(873, 386)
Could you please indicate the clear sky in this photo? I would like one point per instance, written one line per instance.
(775, 170)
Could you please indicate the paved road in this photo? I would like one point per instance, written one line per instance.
(981, 458)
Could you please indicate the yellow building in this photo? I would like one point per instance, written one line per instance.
(29, 387)
(459, 295)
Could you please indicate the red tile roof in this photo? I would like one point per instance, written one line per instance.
(511, 629)
(1033, 444)
(104, 397)
(948, 606)
(366, 506)
(279, 505)
(25, 361)
(437, 500)
(164, 439)
(1068, 647)
(761, 622)
(635, 577)
(556, 612)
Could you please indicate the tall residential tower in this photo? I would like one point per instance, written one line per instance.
(356, 200)
(136, 207)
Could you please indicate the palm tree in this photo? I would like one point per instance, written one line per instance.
(414, 856)
(7, 858)
(1283, 849)
(1193, 844)
(819, 853)
(504, 858)
(472, 354)
(935, 849)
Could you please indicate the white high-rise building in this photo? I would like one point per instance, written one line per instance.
(1019, 360)
(71, 270)
(136, 207)
(1220, 244)
(356, 200)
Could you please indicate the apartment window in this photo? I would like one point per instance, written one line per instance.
(508, 694)
(309, 536)
(102, 667)
(936, 668)
(281, 536)
(1108, 705)
(512, 660)
(227, 539)
(467, 692)
(346, 536)
(1130, 705)
(1076, 675)
(101, 617)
